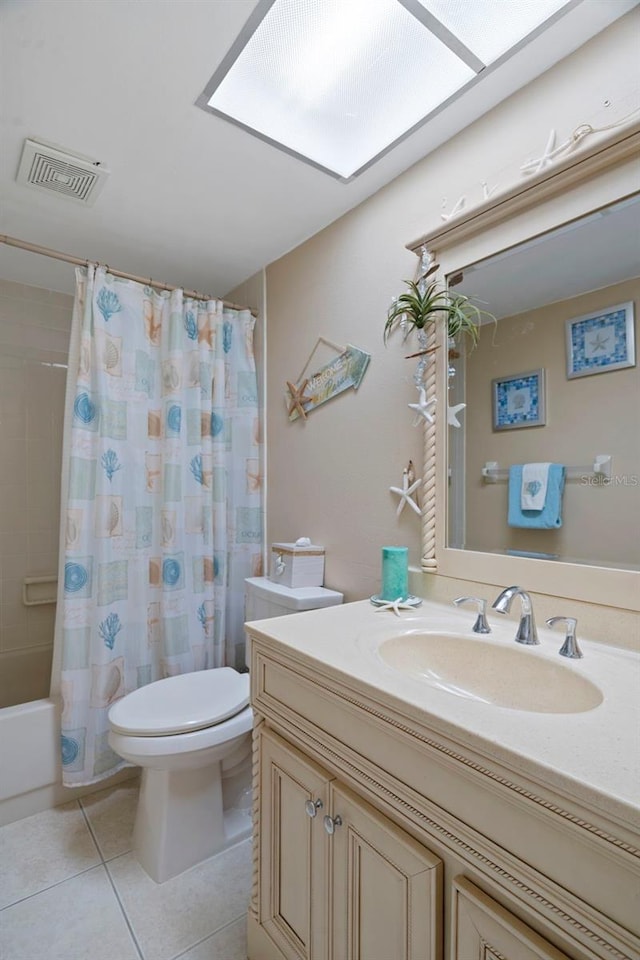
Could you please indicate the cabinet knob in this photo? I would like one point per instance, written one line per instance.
(311, 807)
(330, 824)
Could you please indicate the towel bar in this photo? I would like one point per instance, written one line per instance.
(601, 467)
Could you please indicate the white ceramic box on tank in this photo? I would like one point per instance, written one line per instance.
(297, 566)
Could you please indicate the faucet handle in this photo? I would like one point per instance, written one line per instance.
(570, 646)
(481, 625)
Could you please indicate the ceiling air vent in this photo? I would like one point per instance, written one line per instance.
(48, 167)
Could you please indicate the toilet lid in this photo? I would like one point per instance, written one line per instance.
(191, 701)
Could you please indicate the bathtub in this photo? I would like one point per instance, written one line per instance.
(31, 771)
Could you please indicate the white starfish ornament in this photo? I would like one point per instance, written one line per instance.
(458, 206)
(405, 493)
(422, 407)
(547, 158)
(452, 414)
(395, 605)
(487, 191)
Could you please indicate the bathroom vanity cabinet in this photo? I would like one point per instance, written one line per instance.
(382, 833)
(337, 878)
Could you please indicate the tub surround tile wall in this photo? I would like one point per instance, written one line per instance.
(72, 888)
(34, 341)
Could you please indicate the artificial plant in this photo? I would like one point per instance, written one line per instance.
(425, 300)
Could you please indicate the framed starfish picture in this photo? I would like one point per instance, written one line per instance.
(519, 400)
(601, 342)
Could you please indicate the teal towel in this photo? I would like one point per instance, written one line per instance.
(550, 517)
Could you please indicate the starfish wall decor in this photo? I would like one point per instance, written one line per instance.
(297, 397)
(452, 414)
(409, 486)
(423, 407)
(456, 209)
(330, 370)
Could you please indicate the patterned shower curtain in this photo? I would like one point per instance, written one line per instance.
(162, 520)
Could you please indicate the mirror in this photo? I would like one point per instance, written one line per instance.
(535, 213)
(565, 303)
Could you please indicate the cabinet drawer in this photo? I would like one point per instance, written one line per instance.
(485, 930)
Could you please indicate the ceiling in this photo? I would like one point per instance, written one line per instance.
(191, 199)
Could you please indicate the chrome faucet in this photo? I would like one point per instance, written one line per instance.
(570, 646)
(526, 632)
(481, 625)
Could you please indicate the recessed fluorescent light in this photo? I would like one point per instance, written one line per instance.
(337, 82)
(491, 27)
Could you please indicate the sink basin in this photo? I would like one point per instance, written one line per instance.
(519, 679)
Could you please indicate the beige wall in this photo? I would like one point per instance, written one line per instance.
(34, 342)
(329, 477)
(585, 416)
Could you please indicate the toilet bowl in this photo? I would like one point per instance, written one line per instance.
(191, 734)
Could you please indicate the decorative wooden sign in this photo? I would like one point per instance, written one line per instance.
(342, 372)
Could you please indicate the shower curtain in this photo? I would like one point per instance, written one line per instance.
(161, 514)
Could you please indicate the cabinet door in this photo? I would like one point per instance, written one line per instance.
(386, 887)
(293, 850)
(484, 930)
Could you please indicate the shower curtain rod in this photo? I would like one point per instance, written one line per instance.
(56, 255)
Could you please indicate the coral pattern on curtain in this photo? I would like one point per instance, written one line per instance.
(163, 502)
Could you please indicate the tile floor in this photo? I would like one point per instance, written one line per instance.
(70, 889)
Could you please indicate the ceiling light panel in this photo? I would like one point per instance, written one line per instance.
(337, 82)
(491, 27)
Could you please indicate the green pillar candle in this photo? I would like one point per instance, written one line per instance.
(395, 573)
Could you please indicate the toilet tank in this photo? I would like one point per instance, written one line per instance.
(265, 599)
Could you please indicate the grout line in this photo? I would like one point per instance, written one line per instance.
(117, 856)
(210, 935)
(124, 913)
(64, 879)
(91, 830)
(110, 878)
(50, 887)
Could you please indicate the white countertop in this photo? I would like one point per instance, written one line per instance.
(592, 756)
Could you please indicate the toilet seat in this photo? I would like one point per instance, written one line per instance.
(182, 704)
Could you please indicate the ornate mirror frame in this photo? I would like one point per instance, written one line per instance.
(590, 178)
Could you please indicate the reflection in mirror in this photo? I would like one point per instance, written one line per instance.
(565, 303)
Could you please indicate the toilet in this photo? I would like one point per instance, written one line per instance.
(265, 599)
(191, 734)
